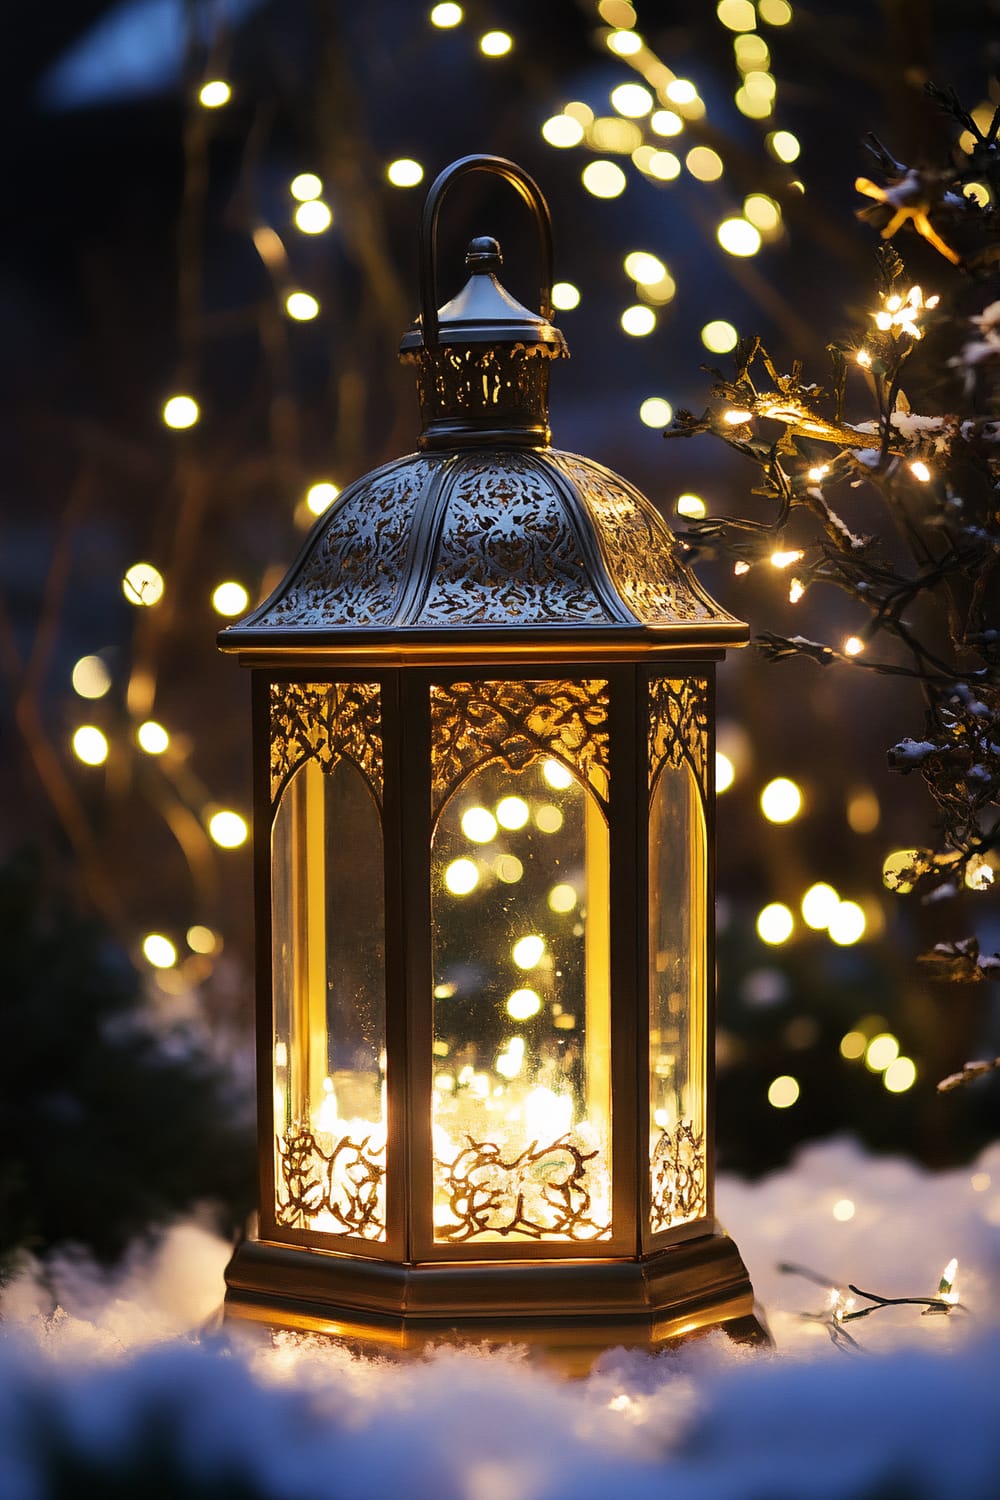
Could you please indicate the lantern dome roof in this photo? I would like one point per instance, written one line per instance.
(489, 540)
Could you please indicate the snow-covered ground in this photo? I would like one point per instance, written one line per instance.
(113, 1383)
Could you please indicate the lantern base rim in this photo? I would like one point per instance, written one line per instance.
(569, 1312)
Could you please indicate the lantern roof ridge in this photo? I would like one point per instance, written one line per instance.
(487, 541)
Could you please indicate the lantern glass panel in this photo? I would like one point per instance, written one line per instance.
(678, 937)
(328, 920)
(521, 1104)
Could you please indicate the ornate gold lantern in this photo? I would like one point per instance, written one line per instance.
(483, 738)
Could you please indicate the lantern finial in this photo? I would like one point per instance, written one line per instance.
(482, 360)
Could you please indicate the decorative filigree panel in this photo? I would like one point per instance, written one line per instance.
(324, 721)
(508, 554)
(343, 1188)
(678, 725)
(354, 572)
(457, 380)
(545, 1192)
(677, 1177)
(475, 723)
(639, 549)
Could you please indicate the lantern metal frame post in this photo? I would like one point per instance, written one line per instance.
(527, 594)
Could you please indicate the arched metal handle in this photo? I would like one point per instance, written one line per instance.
(529, 191)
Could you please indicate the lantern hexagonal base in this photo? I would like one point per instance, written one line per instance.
(570, 1311)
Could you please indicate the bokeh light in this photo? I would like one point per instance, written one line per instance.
(853, 1045)
(230, 598)
(738, 237)
(152, 737)
(180, 412)
(159, 950)
(681, 91)
(604, 179)
(143, 584)
(90, 745)
(301, 306)
(527, 951)
(215, 93)
(762, 212)
(655, 412)
(512, 812)
(632, 100)
(737, 15)
(228, 829)
(775, 924)
(319, 497)
(783, 1091)
(91, 678)
(644, 268)
(565, 296)
(404, 172)
(638, 320)
(562, 898)
(725, 772)
(625, 43)
(479, 824)
(664, 165)
(847, 924)
(819, 904)
(556, 775)
(461, 877)
(784, 145)
(719, 336)
(313, 217)
(563, 131)
(496, 43)
(305, 186)
(781, 800)
(881, 1051)
(201, 939)
(704, 164)
(691, 506)
(446, 14)
(666, 122)
(900, 1075)
(523, 1004)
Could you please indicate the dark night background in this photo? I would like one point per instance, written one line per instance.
(128, 272)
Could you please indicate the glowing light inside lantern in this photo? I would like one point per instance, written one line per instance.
(479, 825)
(461, 877)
